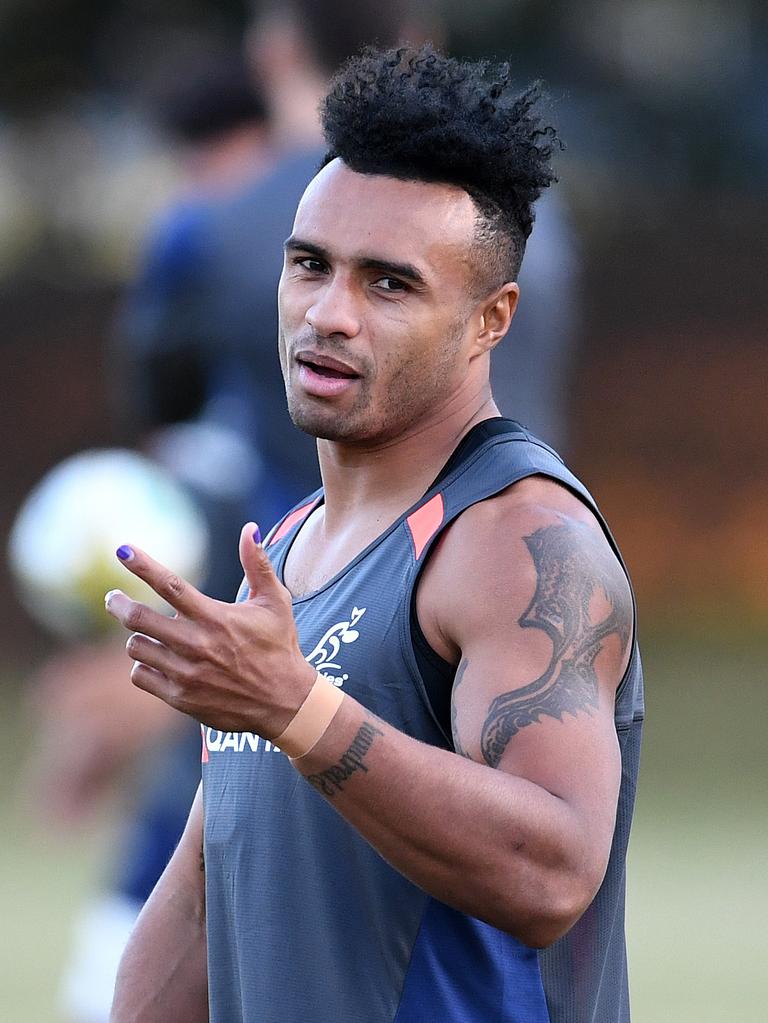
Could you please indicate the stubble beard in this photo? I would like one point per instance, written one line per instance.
(409, 399)
(327, 423)
(406, 403)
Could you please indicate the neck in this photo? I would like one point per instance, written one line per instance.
(387, 477)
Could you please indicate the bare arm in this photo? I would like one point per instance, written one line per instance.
(163, 974)
(526, 593)
(534, 603)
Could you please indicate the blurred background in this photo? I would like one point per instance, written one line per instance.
(122, 124)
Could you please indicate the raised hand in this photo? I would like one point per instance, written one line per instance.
(235, 667)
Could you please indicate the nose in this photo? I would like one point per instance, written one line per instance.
(334, 309)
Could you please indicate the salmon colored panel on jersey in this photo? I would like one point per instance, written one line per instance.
(425, 522)
(290, 521)
(204, 758)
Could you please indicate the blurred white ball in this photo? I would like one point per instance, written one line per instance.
(63, 542)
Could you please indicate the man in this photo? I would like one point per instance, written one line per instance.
(456, 858)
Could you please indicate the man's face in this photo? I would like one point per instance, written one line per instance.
(376, 313)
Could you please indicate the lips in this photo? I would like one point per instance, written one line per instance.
(324, 377)
(325, 366)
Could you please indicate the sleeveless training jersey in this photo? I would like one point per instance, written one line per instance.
(306, 921)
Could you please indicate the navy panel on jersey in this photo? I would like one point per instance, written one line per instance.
(464, 970)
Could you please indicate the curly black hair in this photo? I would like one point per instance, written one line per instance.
(416, 114)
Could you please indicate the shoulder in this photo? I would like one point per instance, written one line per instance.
(530, 500)
(533, 513)
(534, 542)
(500, 527)
(175, 239)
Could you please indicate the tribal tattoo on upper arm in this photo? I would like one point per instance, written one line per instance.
(572, 562)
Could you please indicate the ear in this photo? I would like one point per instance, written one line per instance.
(495, 315)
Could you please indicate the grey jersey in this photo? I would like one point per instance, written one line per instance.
(306, 921)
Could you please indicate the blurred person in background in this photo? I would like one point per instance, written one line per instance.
(533, 370)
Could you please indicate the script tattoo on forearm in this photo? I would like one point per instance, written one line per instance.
(331, 781)
(572, 562)
(457, 744)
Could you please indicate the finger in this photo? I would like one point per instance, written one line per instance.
(176, 591)
(156, 655)
(259, 573)
(153, 681)
(137, 617)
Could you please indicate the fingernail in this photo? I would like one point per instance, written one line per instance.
(124, 553)
(257, 536)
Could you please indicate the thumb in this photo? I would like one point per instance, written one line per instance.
(259, 573)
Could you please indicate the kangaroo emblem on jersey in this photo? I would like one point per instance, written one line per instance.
(324, 658)
(325, 655)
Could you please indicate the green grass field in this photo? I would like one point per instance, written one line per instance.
(698, 899)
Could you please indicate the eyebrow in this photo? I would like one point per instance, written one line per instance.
(406, 270)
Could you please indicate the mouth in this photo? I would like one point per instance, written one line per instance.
(324, 377)
(324, 366)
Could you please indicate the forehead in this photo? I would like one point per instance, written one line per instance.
(357, 215)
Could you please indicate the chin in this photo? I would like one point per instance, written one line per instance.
(324, 427)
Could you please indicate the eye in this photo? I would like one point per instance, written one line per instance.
(390, 284)
(310, 263)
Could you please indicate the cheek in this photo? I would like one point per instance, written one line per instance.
(411, 376)
(294, 299)
(281, 351)
(287, 305)
(290, 313)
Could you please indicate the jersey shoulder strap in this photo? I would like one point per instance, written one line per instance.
(292, 518)
(491, 457)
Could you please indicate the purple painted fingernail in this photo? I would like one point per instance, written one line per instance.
(124, 553)
(257, 536)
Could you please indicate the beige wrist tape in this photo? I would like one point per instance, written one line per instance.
(311, 720)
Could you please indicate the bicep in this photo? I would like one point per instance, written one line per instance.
(561, 739)
(543, 645)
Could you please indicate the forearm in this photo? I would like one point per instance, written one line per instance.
(491, 844)
(163, 973)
